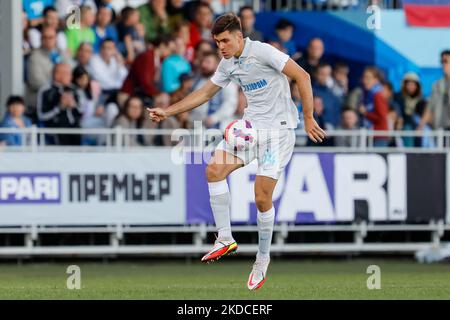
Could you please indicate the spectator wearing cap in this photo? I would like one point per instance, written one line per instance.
(247, 16)
(412, 106)
(14, 118)
(155, 19)
(438, 110)
(174, 66)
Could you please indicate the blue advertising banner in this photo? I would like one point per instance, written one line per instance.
(330, 188)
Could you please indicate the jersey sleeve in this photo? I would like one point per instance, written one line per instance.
(220, 77)
(271, 56)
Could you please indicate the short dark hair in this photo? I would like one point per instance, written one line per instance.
(126, 12)
(243, 8)
(14, 100)
(226, 22)
(105, 41)
(49, 9)
(445, 52)
(283, 24)
(347, 108)
(162, 39)
(341, 65)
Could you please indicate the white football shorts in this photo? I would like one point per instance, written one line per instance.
(273, 151)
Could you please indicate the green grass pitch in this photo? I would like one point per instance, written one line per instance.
(226, 279)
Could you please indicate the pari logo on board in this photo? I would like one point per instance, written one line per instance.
(30, 188)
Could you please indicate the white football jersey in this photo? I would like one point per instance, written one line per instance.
(258, 71)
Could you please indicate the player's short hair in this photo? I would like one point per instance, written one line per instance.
(14, 100)
(227, 22)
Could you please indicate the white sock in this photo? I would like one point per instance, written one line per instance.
(265, 221)
(219, 197)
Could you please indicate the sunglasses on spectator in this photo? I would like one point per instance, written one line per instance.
(445, 61)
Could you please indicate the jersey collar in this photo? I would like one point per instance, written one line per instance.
(244, 53)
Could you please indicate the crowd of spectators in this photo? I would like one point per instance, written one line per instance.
(107, 70)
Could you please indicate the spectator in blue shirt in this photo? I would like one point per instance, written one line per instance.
(14, 118)
(173, 67)
(331, 102)
(103, 28)
(285, 30)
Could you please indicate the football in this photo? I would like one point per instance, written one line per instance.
(240, 135)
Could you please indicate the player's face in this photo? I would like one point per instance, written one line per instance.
(229, 43)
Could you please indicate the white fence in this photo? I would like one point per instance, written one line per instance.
(119, 139)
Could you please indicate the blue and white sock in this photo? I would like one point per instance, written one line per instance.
(265, 221)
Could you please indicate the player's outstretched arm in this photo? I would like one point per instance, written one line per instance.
(303, 81)
(192, 101)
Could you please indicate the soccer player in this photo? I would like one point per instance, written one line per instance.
(261, 71)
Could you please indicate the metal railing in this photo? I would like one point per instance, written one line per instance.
(308, 5)
(118, 139)
(118, 246)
